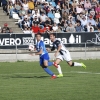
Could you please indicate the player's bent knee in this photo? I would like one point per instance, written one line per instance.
(71, 64)
(44, 66)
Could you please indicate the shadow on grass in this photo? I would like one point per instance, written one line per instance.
(19, 76)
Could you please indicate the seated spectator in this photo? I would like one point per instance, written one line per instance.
(42, 18)
(36, 13)
(83, 21)
(87, 5)
(55, 27)
(35, 28)
(35, 20)
(65, 15)
(25, 5)
(79, 9)
(65, 9)
(89, 26)
(49, 22)
(25, 22)
(59, 30)
(27, 30)
(91, 29)
(91, 20)
(30, 5)
(4, 5)
(97, 9)
(79, 27)
(5, 29)
(70, 28)
(94, 3)
(98, 15)
(16, 8)
(92, 12)
(22, 13)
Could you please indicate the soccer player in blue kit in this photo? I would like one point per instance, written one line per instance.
(44, 57)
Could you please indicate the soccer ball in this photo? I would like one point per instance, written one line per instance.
(31, 47)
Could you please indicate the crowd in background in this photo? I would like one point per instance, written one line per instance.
(55, 15)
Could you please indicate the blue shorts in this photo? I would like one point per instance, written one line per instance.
(43, 58)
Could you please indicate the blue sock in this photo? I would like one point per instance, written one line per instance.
(50, 63)
(49, 71)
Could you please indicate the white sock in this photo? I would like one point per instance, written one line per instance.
(77, 64)
(59, 69)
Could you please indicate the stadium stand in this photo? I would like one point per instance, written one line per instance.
(11, 22)
(33, 16)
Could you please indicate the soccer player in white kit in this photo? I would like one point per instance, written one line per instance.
(63, 55)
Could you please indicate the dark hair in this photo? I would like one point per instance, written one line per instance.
(52, 34)
(39, 34)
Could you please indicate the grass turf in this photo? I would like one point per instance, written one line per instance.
(28, 81)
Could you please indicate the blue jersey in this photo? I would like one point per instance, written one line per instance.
(40, 45)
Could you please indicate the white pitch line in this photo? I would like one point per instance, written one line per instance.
(77, 72)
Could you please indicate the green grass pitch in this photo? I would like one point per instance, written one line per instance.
(28, 81)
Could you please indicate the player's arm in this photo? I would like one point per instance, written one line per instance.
(58, 43)
(50, 49)
(41, 49)
(39, 53)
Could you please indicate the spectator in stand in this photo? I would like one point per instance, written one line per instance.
(65, 15)
(79, 27)
(55, 27)
(97, 9)
(89, 26)
(27, 30)
(87, 5)
(35, 20)
(5, 29)
(94, 3)
(35, 28)
(41, 29)
(25, 5)
(79, 9)
(36, 13)
(92, 21)
(83, 21)
(59, 30)
(70, 28)
(25, 22)
(16, 8)
(43, 18)
(91, 29)
(4, 5)
(31, 5)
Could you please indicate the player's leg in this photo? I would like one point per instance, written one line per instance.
(53, 76)
(44, 63)
(67, 57)
(76, 64)
(58, 60)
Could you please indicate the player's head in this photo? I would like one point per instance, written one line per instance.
(52, 37)
(38, 36)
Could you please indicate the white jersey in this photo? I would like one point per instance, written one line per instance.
(64, 53)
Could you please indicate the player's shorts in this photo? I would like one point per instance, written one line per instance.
(64, 56)
(43, 58)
